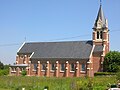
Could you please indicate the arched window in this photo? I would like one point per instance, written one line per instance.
(35, 67)
(83, 68)
(52, 66)
(43, 68)
(72, 67)
(99, 34)
(62, 67)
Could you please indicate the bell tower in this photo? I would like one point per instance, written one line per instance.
(100, 31)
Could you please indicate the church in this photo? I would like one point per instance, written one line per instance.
(67, 58)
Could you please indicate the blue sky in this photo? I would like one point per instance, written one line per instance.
(52, 20)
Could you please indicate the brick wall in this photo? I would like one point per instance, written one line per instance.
(57, 72)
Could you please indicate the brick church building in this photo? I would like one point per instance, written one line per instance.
(65, 59)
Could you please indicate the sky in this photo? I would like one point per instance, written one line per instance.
(51, 21)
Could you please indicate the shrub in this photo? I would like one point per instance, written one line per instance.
(90, 84)
(23, 73)
(4, 72)
(118, 76)
(103, 73)
(111, 61)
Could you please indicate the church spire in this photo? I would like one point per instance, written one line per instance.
(100, 30)
(100, 21)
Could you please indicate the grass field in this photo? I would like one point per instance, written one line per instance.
(3, 89)
(38, 83)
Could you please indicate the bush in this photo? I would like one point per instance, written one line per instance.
(4, 72)
(23, 73)
(86, 85)
(4, 69)
(118, 76)
(111, 61)
(103, 73)
(90, 84)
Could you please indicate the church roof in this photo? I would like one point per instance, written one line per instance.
(68, 49)
(98, 48)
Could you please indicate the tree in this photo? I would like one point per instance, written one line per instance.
(112, 61)
(4, 69)
(1, 65)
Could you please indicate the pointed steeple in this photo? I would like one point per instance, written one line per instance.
(101, 32)
(101, 21)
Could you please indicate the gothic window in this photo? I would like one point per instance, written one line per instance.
(62, 67)
(99, 34)
(72, 67)
(35, 67)
(52, 66)
(43, 67)
(83, 67)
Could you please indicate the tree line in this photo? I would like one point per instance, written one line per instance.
(4, 69)
(112, 62)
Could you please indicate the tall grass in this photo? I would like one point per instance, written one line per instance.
(38, 83)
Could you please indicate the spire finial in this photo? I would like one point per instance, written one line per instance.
(100, 2)
(25, 39)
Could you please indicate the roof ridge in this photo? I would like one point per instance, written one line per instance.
(58, 41)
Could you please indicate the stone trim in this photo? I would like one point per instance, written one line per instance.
(66, 61)
(89, 62)
(92, 51)
(31, 54)
(77, 62)
(38, 62)
(21, 47)
(47, 62)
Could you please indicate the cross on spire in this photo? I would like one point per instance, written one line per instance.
(100, 2)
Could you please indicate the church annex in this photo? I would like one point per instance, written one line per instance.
(65, 59)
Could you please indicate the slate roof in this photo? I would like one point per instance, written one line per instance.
(68, 49)
(98, 48)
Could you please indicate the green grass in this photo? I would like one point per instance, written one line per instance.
(4, 89)
(38, 83)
